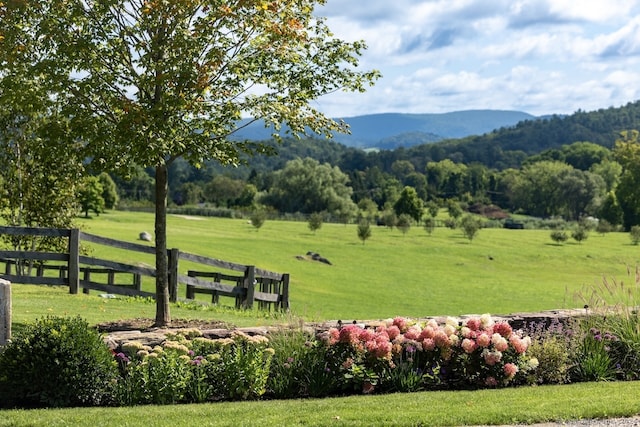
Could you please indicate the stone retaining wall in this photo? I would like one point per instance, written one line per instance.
(157, 336)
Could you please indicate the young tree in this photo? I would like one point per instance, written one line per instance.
(429, 225)
(147, 82)
(315, 222)
(404, 223)
(580, 234)
(258, 217)
(364, 230)
(432, 208)
(454, 210)
(109, 191)
(90, 196)
(470, 226)
(559, 236)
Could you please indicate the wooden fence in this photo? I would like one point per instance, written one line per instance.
(247, 286)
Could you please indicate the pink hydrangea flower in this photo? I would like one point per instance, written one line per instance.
(483, 340)
(350, 334)
(441, 339)
(428, 344)
(428, 332)
(520, 345)
(491, 357)
(413, 333)
(499, 342)
(468, 345)
(473, 324)
(503, 328)
(510, 370)
(401, 323)
(393, 331)
(366, 335)
(449, 330)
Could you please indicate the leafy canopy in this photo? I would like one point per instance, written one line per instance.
(145, 82)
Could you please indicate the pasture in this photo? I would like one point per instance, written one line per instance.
(413, 275)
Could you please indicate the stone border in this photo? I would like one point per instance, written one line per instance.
(157, 336)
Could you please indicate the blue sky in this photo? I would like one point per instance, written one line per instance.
(537, 56)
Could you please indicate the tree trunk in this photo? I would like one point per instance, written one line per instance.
(163, 318)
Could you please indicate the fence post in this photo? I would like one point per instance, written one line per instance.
(74, 261)
(285, 292)
(173, 274)
(5, 312)
(250, 284)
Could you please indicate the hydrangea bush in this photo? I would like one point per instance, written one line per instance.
(405, 356)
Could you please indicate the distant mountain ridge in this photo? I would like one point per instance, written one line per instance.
(393, 130)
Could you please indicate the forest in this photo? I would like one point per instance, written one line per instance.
(567, 167)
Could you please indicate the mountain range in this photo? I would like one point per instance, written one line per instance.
(393, 130)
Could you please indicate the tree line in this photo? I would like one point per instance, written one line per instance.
(573, 181)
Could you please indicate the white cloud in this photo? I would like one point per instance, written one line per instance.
(539, 56)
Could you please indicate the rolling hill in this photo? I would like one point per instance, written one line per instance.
(393, 130)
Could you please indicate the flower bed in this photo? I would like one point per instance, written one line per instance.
(396, 355)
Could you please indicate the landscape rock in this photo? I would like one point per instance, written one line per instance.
(145, 236)
(317, 257)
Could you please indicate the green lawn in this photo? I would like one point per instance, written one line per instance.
(522, 405)
(414, 275)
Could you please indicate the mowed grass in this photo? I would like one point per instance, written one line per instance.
(414, 275)
(523, 405)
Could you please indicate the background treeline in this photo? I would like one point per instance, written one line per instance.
(557, 166)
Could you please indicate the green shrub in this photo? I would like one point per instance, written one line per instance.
(429, 225)
(580, 234)
(552, 347)
(194, 370)
(56, 362)
(302, 366)
(559, 236)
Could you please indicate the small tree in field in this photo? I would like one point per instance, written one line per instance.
(559, 236)
(364, 230)
(580, 234)
(315, 222)
(404, 223)
(470, 226)
(109, 191)
(90, 196)
(634, 233)
(432, 208)
(258, 217)
(429, 225)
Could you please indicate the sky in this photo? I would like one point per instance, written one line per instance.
(537, 56)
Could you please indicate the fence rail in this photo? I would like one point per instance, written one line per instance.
(71, 269)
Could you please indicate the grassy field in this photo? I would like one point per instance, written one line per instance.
(501, 271)
(415, 275)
